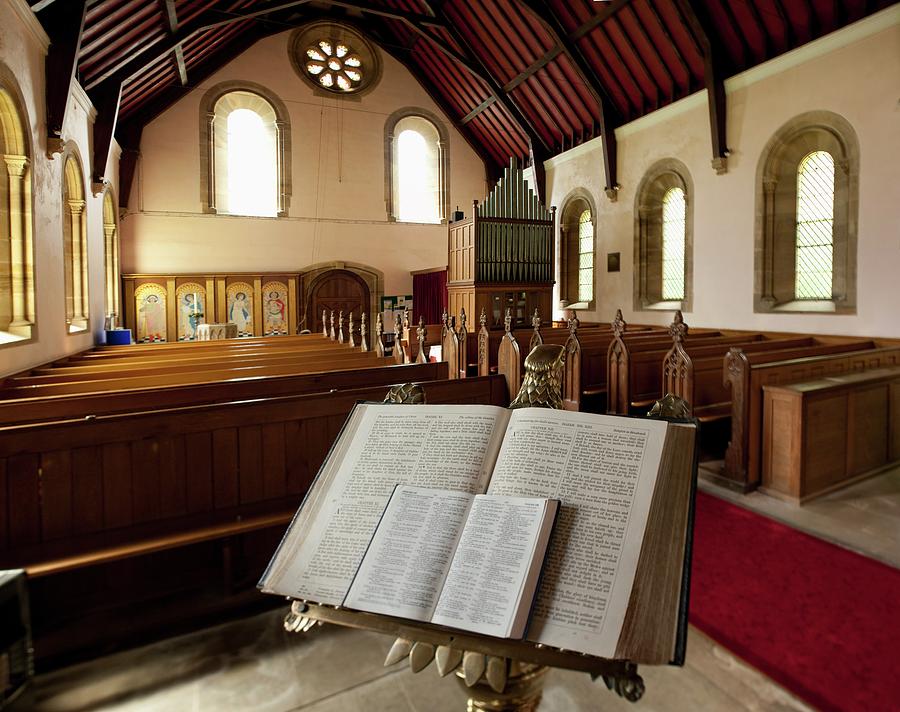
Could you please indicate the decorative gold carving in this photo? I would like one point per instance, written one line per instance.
(405, 394)
(670, 406)
(399, 650)
(351, 339)
(363, 333)
(420, 656)
(447, 659)
(542, 385)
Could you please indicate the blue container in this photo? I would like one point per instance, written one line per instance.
(118, 337)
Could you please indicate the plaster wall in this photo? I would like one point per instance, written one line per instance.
(337, 210)
(855, 73)
(23, 49)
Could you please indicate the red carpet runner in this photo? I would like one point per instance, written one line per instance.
(821, 621)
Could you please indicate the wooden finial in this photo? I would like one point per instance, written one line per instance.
(398, 328)
(325, 323)
(507, 321)
(363, 338)
(340, 333)
(573, 325)
(678, 329)
(462, 319)
(351, 338)
(536, 321)
(618, 324)
(421, 333)
(333, 335)
(406, 319)
(482, 320)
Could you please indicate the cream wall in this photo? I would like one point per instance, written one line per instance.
(23, 46)
(855, 73)
(337, 210)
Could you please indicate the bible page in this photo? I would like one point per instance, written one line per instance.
(442, 446)
(403, 570)
(494, 573)
(603, 470)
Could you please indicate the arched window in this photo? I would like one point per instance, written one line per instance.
(815, 227)
(16, 245)
(576, 226)
(111, 257)
(807, 202)
(416, 167)
(663, 238)
(245, 144)
(75, 258)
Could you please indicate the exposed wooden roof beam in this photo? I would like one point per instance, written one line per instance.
(609, 117)
(107, 103)
(714, 77)
(65, 27)
(598, 19)
(171, 15)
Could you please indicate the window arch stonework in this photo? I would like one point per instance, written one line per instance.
(17, 303)
(441, 154)
(213, 116)
(574, 207)
(75, 254)
(111, 257)
(662, 177)
(776, 214)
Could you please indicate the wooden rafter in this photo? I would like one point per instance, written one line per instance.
(106, 102)
(714, 77)
(171, 15)
(608, 117)
(65, 27)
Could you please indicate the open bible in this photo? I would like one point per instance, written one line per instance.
(614, 578)
(467, 561)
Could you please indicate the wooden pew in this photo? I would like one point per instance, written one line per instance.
(819, 436)
(89, 405)
(746, 374)
(102, 491)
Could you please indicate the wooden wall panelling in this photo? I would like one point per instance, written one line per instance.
(221, 301)
(211, 306)
(868, 438)
(250, 464)
(199, 479)
(117, 485)
(5, 505)
(171, 312)
(56, 494)
(87, 490)
(293, 313)
(128, 306)
(299, 475)
(225, 467)
(895, 422)
(23, 488)
(825, 445)
(274, 472)
(172, 489)
(258, 325)
(145, 502)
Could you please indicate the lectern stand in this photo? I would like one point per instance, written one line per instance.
(499, 674)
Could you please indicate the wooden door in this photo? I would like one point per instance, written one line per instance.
(339, 290)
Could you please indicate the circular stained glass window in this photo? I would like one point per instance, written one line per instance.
(334, 65)
(334, 58)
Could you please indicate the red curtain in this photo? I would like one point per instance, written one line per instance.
(430, 296)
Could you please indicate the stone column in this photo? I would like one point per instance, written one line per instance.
(112, 288)
(79, 258)
(16, 167)
(768, 261)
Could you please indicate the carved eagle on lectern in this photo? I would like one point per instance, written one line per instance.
(542, 385)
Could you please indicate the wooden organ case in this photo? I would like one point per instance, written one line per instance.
(502, 257)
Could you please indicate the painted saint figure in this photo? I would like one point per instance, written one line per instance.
(276, 320)
(191, 312)
(152, 314)
(239, 313)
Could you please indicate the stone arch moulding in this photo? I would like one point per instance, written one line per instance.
(661, 176)
(17, 277)
(207, 142)
(775, 219)
(372, 277)
(444, 167)
(76, 266)
(573, 205)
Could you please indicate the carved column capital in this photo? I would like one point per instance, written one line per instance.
(76, 207)
(16, 165)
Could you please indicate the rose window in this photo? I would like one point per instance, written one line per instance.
(334, 65)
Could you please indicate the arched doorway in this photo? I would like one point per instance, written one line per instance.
(338, 290)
